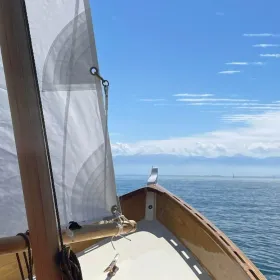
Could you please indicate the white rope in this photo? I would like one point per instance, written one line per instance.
(119, 220)
(70, 233)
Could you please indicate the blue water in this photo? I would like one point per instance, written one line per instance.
(247, 210)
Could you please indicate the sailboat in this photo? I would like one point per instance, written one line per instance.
(60, 214)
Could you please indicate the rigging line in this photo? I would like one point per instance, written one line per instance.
(20, 266)
(106, 92)
(105, 83)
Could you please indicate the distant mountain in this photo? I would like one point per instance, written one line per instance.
(183, 160)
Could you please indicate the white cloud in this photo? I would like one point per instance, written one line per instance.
(237, 63)
(229, 104)
(259, 138)
(265, 45)
(213, 111)
(260, 35)
(244, 63)
(229, 72)
(211, 104)
(266, 108)
(151, 100)
(249, 118)
(213, 100)
(276, 55)
(168, 104)
(194, 94)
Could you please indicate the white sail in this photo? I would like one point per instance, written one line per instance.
(64, 51)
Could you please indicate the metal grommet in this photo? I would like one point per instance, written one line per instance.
(114, 209)
(93, 71)
(150, 207)
(105, 83)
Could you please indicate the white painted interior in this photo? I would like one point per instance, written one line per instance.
(149, 255)
(150, 201)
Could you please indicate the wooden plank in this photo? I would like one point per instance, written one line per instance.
(216, 253)
(9, 267)
(24, 99)
(133, 205)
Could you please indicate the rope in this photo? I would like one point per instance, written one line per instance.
(105, 83)
(20, 266)
(69, 264)
(28, 260)
(106, 92)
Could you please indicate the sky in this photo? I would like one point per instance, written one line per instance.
(191, 78)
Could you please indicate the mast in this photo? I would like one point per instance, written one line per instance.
(24, 99)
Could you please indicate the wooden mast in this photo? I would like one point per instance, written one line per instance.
(24, 99)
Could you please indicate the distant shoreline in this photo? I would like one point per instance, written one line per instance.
(207, 176)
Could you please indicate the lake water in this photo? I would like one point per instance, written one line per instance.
(245, 209)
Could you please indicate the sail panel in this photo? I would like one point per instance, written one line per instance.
(64, 51)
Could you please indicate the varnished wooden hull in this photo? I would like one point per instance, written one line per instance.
(215, 252)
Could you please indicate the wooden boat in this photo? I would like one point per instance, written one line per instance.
(172, 239)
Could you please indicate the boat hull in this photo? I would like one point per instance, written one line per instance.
(221, 258)
(213, 250)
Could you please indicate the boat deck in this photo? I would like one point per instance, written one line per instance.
(152, 253)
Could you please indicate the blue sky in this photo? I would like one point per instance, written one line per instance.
(191, 78)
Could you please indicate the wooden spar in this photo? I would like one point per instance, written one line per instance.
(24, 99)
(16, 244)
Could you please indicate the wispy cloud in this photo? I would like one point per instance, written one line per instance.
(152, 99)
(249, 118)
(244, 63)
(229, 72)
(194, 100)
(265, 45)
(266, 108)
(223, 104)
(260, 35)
(237, 63)
(220, 14)
(168, 104)
(275, 55)
(194, 94)
(213, 111)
